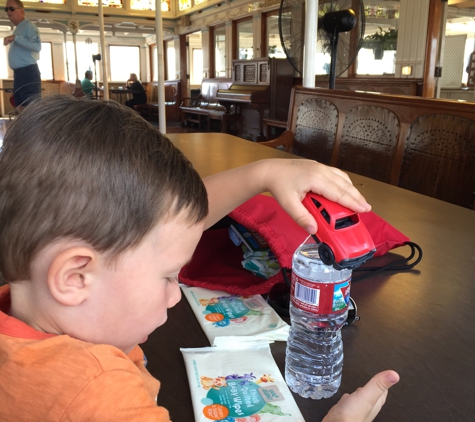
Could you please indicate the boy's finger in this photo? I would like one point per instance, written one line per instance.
(300, 214)
(379, 384)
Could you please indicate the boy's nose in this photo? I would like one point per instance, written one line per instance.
(175, 295)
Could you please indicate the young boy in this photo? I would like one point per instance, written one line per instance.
(98, 213)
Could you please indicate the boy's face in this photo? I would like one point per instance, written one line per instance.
(133, 297)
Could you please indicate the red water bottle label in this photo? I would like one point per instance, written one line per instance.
(320, 298)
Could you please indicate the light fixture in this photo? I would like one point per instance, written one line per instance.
(165, 6)
(406, 70)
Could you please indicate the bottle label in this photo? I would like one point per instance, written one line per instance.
(320, 298)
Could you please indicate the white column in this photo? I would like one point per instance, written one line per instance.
(103, 52)
(66, 55)
(310, 43)
(162, 123)
(75, 57)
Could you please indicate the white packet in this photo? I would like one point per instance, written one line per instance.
(239, 384)
(227, 316)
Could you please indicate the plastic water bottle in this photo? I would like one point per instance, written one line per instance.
(318, 310)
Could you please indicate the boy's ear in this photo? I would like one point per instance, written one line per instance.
(70, 275)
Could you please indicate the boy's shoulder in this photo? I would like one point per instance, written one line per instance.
(56, 372)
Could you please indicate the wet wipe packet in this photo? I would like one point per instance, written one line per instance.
(238, 383)
(227, 318)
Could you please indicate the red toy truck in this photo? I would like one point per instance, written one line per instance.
(344, 241)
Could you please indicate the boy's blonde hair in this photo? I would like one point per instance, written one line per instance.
(89, 170)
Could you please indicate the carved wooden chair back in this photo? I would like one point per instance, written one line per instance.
(368, 142)
(439, 158)
(315, 130)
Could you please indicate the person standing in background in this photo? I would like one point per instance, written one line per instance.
(139, 95)
(25, 47)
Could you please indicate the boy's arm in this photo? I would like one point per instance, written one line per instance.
(288, 181)
(366, 402)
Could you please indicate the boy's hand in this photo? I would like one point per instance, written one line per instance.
(365, 403)
(290, 180)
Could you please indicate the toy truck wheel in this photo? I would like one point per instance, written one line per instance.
(326, 254)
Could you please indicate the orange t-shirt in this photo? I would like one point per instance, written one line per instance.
(47, 377)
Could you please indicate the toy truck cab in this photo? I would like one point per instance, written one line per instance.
(343, 239)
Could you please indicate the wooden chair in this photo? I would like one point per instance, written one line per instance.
(199, 109)
(315, 130)
(314, 133)
(149, 110)
(441, 163)
(368, 142)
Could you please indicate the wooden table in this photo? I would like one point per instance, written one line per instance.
(120, 92)
(419, 323)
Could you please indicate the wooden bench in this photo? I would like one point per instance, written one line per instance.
(398, 86)
(424, 145)
(204, 108)
(149, 110)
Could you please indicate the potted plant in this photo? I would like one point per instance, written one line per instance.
(381, 40)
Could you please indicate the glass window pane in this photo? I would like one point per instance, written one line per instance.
(171, 60)
(45, 1)
(117, 4)
(370, 63)
(184, 4)
(197, 69)
(378, 52)
(124, 60)
(149, 5)
(85, 51)
(220, 52)
(45, 63)
(274, 46)
(245, 40)
(3, 62)
(171, 63)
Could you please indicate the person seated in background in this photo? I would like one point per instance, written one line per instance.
(87, 86)
(139, 95)
(93, 233)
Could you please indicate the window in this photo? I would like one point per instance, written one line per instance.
(171, 60)
(378, 53)
(118, 4)
(155, 63)
(369, 63)
(149, 5)
(220, 52)
(45, 63)
(85, 51)
(245, 39)
(184, 4)
(124, 60)
(45, 1)
(197, 67)
(273, 44)
(3, 62)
